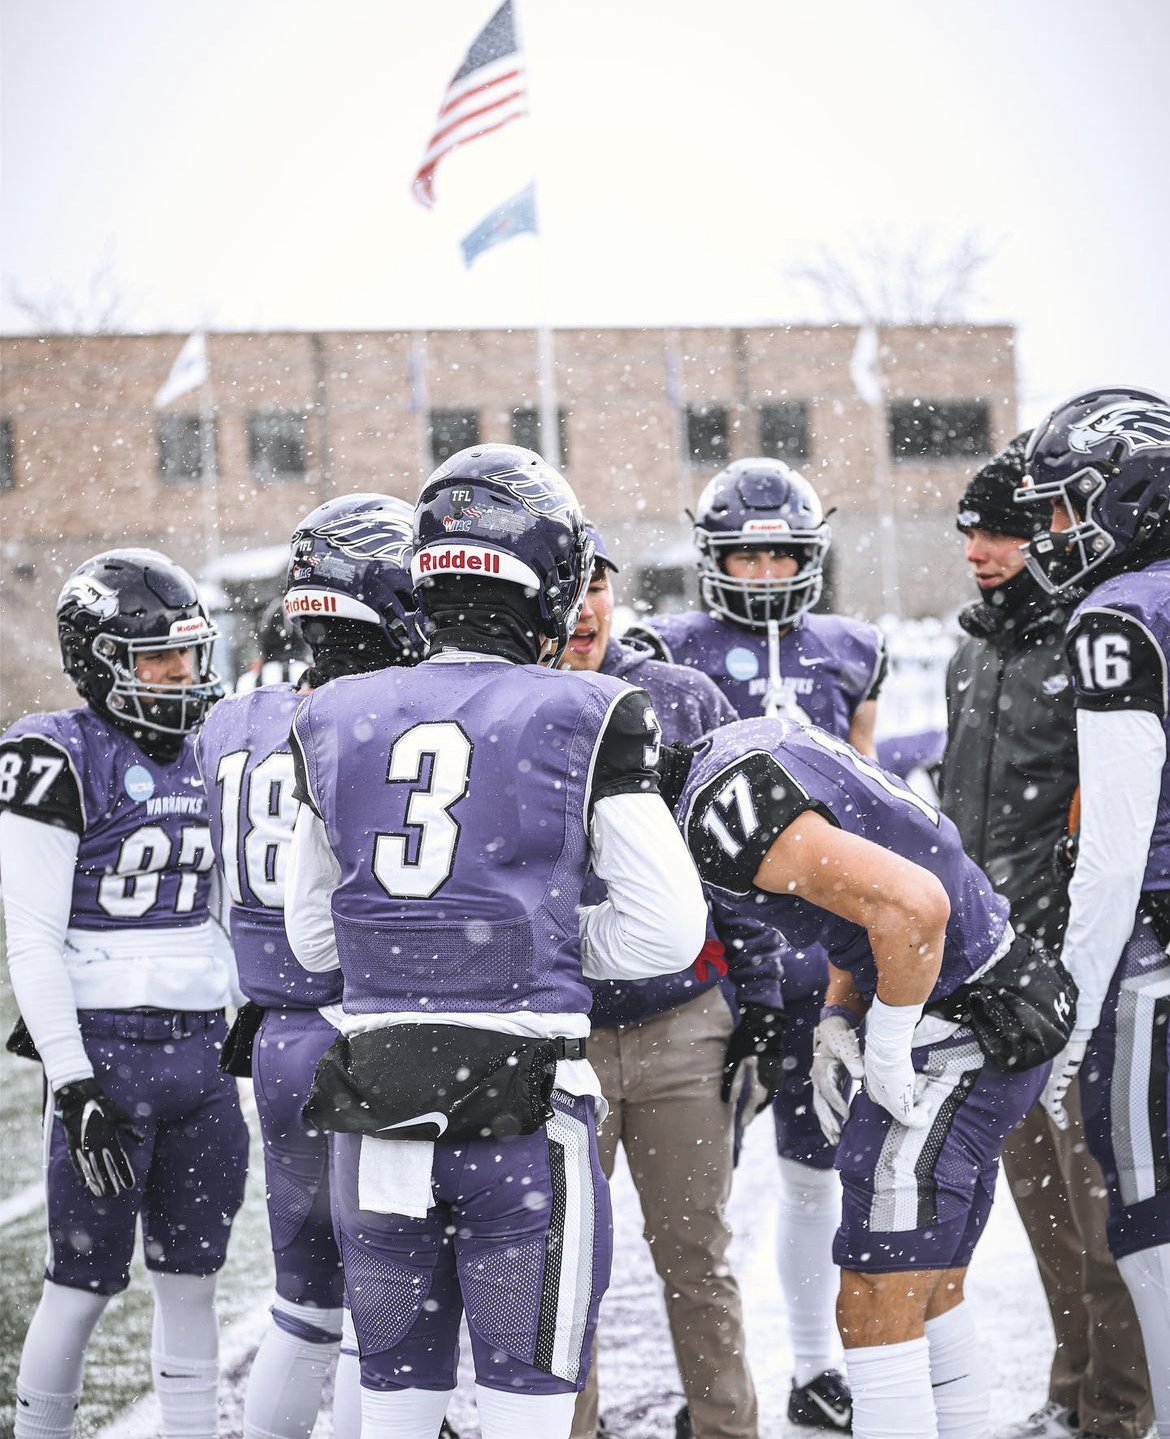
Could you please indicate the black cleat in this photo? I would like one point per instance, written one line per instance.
(823, 1403)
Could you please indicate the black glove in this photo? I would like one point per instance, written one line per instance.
(92, 1121)
(760, 1034)
(236, 1055)
(20, 1042)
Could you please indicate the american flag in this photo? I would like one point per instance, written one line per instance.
(486, 92)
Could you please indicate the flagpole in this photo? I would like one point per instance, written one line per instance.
(870, 383)
(209, 456)
(418, 397)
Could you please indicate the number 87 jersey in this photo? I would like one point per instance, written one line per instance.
(143, 865)
(244, 756)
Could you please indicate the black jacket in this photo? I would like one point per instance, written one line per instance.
(1010, 768)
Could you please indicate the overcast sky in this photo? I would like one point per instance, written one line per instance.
(247, 163)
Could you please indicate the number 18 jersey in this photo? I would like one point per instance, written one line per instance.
(457, 797)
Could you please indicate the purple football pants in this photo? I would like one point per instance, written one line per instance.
(520, 1237)
(296, 1157)
(189, 1170)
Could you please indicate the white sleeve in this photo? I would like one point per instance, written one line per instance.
(655, 918)
(312, 875)
(1122, 757)
(37, 863)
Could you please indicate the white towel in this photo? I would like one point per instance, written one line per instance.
(394, 1176)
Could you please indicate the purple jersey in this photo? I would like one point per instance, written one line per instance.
(687, 704)
(244, 755)
(144, 858)
(457, 796)
(750, 780)
(1119, 652)
(827, 664)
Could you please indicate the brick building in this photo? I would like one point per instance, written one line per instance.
(646, 417)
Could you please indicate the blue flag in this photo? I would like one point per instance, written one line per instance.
(514, 217)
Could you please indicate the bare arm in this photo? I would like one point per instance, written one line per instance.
(861, 728)
(842, 991)
(902, 907)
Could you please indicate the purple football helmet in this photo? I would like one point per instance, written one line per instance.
(350, 559)
(760, 504)
(123, 604)
(1105, 457)
(500, 512)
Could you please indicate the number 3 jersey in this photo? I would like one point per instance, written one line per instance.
(457, 798)
(1119, 652)
(749, 781)
(244, 755)
(139, 931)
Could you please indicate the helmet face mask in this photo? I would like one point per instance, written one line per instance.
(500, 513)
(760, 504)
(1102, 461)
(124, 605)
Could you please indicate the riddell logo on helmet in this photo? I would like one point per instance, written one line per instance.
(196, 626)
(311, 605)
(484, 562)
(754, 527)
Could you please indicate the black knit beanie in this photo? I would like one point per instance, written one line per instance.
(987, 501)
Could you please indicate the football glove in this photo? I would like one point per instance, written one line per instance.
(837, 1064)
(1065, 1068)
(235, 1057)
(889, 1075)
(760, 1036)
(93, 1123)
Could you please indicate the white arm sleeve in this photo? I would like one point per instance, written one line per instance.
(1122, 756)
(655, 919)
(312, 875)
(36, 878)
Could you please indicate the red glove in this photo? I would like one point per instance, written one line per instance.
(711, 954)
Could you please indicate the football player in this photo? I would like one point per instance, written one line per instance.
(763, 541)
(348, 597)
(1102, 460)
(450, 814)
(666, 1051)
(122, 977)
(824, 845)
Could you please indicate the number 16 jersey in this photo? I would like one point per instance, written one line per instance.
(457, 797)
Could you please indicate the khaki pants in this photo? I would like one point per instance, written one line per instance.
(661, 1079)
(1099, 1368)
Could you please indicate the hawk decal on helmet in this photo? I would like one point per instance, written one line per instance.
(544, 495)
(370, 535)
(1138, 427)
(90, 595)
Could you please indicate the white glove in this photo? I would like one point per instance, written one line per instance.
(836, 1064)
(889, 1074)
(1065, 1068)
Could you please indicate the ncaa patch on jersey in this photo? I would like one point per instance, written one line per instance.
(138, 783)
(741, 663)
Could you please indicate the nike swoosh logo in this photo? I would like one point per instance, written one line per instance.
(839, 1417)
(162, 1374)
(91, 1108)
(432, 1116)
(808, 664)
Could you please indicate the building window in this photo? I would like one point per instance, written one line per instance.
(784, 430)
(939, 429)
(452, 431)
(707, 434)
(180, 448)
(277, 448)
(7, 456)
(526, 431)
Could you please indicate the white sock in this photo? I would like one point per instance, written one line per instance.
(504, 1414)
(809, 1213)
(288, 1372)
(1147, 1277)
(404, 1413)
(962, 1399)
(184, 1354)
(52, 1360)
(347, 1384)
(891, 1391)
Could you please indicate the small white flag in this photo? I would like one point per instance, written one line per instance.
(187, 373)
(863, 367)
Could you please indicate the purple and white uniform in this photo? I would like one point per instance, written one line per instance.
(1119, 653)
(451, 812)
(912, 1198)
(246, 761)
(818, 672)
(125, 938)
